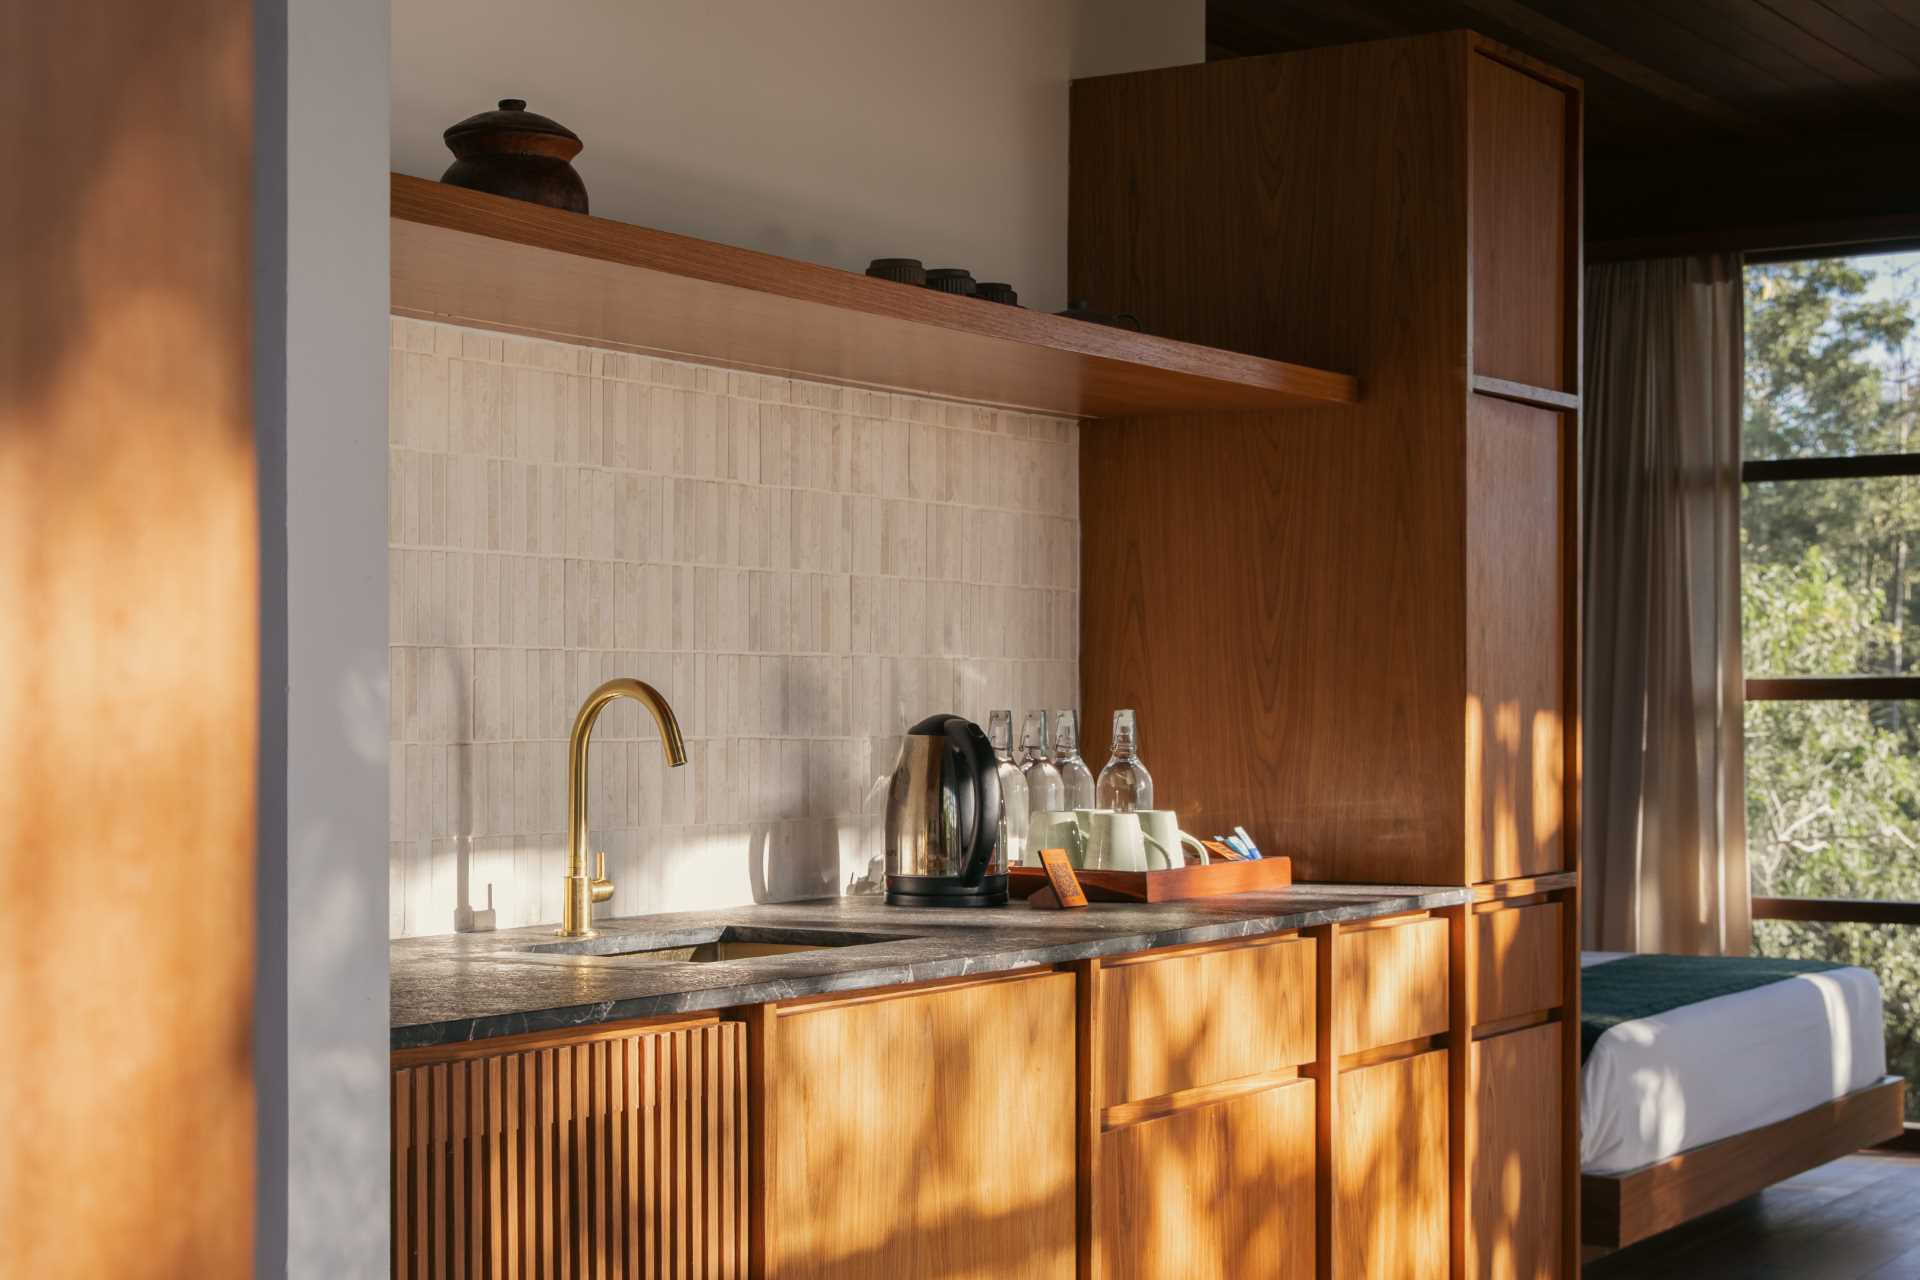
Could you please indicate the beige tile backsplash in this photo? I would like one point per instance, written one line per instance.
(802, 569)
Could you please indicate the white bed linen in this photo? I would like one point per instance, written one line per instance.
(1654, 1087)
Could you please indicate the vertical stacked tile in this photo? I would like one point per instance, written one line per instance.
(802, 569)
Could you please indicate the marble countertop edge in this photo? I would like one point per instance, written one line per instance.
(457, 988)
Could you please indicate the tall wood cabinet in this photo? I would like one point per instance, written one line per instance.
(1354, 629)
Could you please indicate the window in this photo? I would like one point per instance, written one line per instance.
(1830, 554)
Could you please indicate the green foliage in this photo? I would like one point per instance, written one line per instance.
(1833, 788)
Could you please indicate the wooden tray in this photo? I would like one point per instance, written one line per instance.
(1209, 881)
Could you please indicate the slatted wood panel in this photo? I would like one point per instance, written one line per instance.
(618, 1159)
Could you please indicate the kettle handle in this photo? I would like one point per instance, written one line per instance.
(971, 745)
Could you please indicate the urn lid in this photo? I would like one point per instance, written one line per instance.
(511, 127)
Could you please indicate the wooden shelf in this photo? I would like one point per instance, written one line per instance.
(1522, 393)
(474, 259)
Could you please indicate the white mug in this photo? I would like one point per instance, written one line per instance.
(1117, 843)
(1059, 829)
(1163, 826)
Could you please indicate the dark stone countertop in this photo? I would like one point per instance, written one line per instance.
(472, 986)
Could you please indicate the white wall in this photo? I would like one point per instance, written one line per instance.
(835, 131)
(321, 1024)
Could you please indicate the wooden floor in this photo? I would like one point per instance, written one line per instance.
(1854, 1219)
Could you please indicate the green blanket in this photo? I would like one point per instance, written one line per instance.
(1640, 986)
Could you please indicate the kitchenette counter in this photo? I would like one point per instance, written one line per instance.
(473, 986)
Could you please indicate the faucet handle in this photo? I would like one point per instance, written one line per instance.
(599, 889)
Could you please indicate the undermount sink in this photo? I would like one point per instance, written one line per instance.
(710, 946)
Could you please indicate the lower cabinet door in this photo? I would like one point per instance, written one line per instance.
(1224, 1189)
(617, 1157)
(1390, 1212)
(928, 1133)
(1517, 1163)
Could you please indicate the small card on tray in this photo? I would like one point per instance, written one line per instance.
(1063, 886)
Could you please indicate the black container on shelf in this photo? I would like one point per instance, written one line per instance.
(951, 280)
(899, 270)
(996, 291)
(1081, 309)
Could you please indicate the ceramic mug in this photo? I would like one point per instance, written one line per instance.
(1058, 829)
(1163, 827)
(1116, 842)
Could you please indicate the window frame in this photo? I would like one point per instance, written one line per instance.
(1830, 688)
(1833, 688)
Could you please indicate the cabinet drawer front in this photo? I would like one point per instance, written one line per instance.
(925, 1133)
(1517, 1142)
(1524, 151)
(1518, 962)
(1391, 1183)
(1390, 984)
(1246, 1168)
(1195, 1018)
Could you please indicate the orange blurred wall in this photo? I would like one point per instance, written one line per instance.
(128, 650)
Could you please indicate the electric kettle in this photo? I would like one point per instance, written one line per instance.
(944, 846)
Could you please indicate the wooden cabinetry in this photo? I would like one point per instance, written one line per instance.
(1171, 1021)
(1272, 1108)
(1391, 1162)
(1524, 207)
(614, 1153)
(1391, 587)
(927, 1132)
(1392, 983)
(1199, 1133)
(1520, 969)
(1516, 1149)
(1219, 1189)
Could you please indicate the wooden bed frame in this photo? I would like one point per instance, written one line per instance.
(1617, 1209)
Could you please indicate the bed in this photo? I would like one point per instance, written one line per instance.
(1707, 1079)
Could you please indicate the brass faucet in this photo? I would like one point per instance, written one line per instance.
(576, 904)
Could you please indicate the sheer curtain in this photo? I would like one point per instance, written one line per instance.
(1664, 861)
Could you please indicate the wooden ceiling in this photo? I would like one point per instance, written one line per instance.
(1681, 93)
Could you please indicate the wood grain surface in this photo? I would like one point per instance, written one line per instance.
(129, 542)
(1517, 792)
(1220, 1190)
(466, 257)
(1290, 629)
(614, 1157)
(1523, 234)
(1518, 1163)
(1392, 1177)
(1393, 984)
(1198, 1017)
(1620, 1209)
(925, 1135)
(1518, 961)
(1173, 885)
